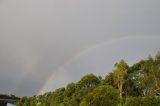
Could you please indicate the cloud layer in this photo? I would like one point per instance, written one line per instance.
(38, 37)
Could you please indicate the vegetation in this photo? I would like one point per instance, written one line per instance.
(7, 96)
(136, 85)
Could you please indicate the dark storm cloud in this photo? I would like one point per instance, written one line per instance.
(37, 37)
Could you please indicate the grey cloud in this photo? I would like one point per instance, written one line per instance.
(37, 37)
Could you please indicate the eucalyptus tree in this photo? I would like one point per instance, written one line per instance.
(119, 76)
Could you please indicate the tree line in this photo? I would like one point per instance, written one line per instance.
(136, 85)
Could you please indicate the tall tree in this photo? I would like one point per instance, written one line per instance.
(152, 68)
(119, 75)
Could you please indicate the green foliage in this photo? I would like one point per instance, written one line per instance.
(133, 84)
(70, 89)
(84, 86)
(143, 101)
(57, 97)
(119, 76)
(137, 85)
(88, 81)
(136, 67)
(103, 95)
(109, 79)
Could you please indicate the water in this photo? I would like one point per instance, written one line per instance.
(10, 104)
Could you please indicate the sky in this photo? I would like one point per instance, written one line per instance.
(46, 44)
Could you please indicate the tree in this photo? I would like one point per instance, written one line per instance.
(119, 76)
(70, 89)
(109, 79)
(138, 85)
(85, 85)
(148, 100)
(133, 83)
(88, 81)
(156, 72)
(150, 73)
(57, 97)
(104, 95)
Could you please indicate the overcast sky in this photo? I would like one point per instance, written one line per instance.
(46, 44)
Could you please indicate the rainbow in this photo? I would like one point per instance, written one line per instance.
(112, 41)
